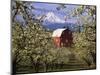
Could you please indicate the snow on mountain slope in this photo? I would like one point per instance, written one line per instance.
(51, 17)
(52, 21)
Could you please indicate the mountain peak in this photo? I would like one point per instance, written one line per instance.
(51, 17)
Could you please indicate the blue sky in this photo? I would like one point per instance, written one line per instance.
(51, 7)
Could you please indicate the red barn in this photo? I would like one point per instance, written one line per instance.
(62, 37)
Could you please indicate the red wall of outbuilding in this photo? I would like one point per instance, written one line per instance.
(65, 40)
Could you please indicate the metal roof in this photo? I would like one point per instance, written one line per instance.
(58, 32)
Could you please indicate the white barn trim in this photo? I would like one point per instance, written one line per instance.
(58, 32)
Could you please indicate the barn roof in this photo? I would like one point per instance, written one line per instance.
(58, 32)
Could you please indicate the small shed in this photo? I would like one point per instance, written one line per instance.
(62, 37)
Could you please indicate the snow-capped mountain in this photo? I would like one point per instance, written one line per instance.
(51, 17)
(52, 21)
